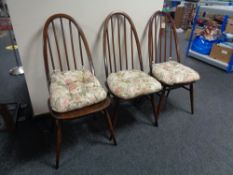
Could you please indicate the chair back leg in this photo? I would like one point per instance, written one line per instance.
(110, 127)
(191, 98)
(154, 110)
(160, 104)
(58, 142)
(114, 115)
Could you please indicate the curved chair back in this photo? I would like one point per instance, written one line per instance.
(121, 45)
(162, 38)
(65, 46)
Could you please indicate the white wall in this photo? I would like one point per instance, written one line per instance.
(29, 16)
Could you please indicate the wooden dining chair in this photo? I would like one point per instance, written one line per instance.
(164, 56)
(74, 91)
(123, 63)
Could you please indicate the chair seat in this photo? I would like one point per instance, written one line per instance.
(172, 73)
(72, 90)
(132, 83)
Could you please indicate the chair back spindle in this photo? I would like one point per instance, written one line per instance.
(65, 46)
(121, 45)
(162, 39)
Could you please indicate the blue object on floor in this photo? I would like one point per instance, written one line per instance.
(203, 46)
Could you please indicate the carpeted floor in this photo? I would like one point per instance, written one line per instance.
(183, 144)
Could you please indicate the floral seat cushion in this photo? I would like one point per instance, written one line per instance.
(172, 73)
(132, 83)
(72, 90)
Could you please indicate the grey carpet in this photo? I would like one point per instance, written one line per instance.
(183, 144)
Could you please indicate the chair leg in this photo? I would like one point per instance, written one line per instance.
(58, 142)
(154, 110)
(114, 118)
(191, 98)
(115, 113)
(110, 127)
(168, 92)
(160, 104)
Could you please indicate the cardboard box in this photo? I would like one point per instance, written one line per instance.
(197, 32)
(179, 16)
(221, 53)
(229, 26)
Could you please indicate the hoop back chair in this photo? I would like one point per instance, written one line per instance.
(74, 90)
(123, 62)
(164, 56)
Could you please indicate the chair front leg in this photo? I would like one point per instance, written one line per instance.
(161, 99)
(114, 115)
(168, 92)
(191, 98)
(115, 112)
(58, 142)
(110, 127)
(154, 109)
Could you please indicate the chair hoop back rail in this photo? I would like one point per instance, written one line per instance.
(116, 43)
(162, 37)
(56, 25)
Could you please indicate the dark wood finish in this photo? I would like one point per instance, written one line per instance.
(162, 30)
(161, 99)
(65, 47)
(110, 126)
(58, 141)
(117, 102)
(121, 50)
(115, 109)
(9, 123)
(156, 116)
(81, 112)
(191, 98)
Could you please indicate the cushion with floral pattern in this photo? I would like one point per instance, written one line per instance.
(72, 90)
(172, 72)
(132, 83)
